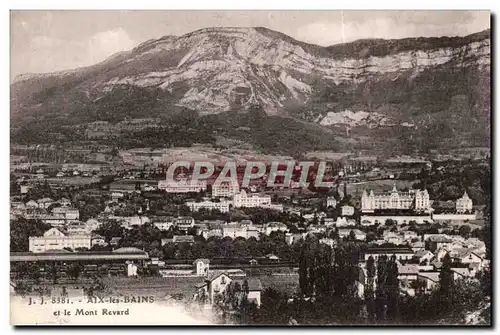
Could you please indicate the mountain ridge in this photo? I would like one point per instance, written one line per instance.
(469, 38)
(211, 71)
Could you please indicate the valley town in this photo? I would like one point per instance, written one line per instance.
(251, 168)
(386, 241)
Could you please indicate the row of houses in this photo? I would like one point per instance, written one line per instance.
(421, 261)
(43, 203)
(244, 229)
(240, 200)
(58, 216)
(412, 277)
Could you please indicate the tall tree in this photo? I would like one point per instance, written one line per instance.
(304, 280)
(369, 288)
(446, 275)
(345, 269)
(445, 284)
(274, 303)
(20, 231)
(246, 309)
(324, 272)
(392, 287)
(381, 291)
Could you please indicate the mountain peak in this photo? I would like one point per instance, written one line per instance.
(220, 70)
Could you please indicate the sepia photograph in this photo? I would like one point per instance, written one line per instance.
(250, 167)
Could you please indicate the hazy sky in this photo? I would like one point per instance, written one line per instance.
(45, 41)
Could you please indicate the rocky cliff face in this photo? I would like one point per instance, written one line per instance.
(218, 70)
(229, 66)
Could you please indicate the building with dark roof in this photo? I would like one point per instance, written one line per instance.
(218, 282)
(401, 253)
(89, 256)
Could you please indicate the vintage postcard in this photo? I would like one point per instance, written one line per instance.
(250, 168)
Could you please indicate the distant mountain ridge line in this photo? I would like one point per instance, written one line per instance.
(335, 51)
(271, 92)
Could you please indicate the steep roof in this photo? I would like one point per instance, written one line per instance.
(183, 238)
(464, 272)
(421, 253)
(394, 250)
(434, 276)
(254, 284)
(463, 252)
(440, 239)
(214, 274)
(200, 285)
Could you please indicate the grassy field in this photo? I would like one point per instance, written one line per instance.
(159, 286)
(288, 284)
(156, 286)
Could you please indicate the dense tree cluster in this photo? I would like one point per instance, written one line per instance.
(449, 181)
(20, 231)
(449, 303)
(233, 305)
(234, 249)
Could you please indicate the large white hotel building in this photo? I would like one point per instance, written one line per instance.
(414, 199)
(222, 206)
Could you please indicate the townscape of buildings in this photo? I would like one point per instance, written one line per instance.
(384, 221)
